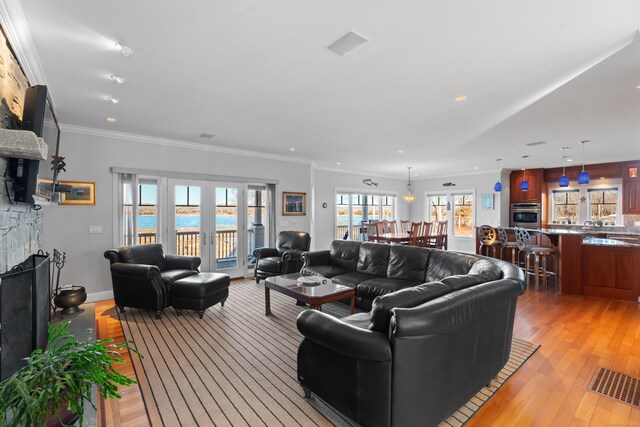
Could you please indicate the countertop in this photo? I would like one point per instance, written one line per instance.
(594, 241)
(582, 232)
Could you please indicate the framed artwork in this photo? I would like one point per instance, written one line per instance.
(294, 204)
(487, 202)
(81, 193)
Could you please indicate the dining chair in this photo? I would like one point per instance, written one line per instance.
(382, 227)
(440, 235)
(425, 234)
(393, 227)
(372, 232)
(405, 226)
(416, 233)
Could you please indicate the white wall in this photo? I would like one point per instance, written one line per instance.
(478, 184)
(89, 158)
(326, 183)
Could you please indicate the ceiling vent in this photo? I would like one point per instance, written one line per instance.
(533, 144)
(207, 135)
(348, 43)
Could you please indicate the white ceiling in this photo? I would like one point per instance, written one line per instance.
(257, 74)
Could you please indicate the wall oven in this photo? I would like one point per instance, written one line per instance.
(526, 215)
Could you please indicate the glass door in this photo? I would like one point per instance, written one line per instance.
(227, 237)
(257, 224)
(188, 220)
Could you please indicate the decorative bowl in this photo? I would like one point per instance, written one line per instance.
(69, 298)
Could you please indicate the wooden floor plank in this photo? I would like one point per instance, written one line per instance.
(577, 334)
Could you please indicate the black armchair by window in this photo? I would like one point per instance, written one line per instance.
(142, 275)
(284, 258)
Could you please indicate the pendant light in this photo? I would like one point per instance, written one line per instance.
(564, 179)
(583, 178)
(498, 186)
(409, 196)
(524, 185)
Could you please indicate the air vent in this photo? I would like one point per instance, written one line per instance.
(348, 43)
(533, 144)
(207, 135)
(616, 385)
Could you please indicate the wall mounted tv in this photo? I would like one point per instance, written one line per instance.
(38, 117)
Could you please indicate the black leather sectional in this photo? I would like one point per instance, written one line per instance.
(439, 330)
(376, 269)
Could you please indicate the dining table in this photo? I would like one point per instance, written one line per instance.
(399, 237)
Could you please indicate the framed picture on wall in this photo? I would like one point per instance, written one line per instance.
(487, 202)
(294, 204)
(80, 193)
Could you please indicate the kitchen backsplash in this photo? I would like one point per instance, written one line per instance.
(629, 226)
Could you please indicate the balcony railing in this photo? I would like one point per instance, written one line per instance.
(188, 243)
(353, 235)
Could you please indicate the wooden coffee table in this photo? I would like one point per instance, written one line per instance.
(315, 296)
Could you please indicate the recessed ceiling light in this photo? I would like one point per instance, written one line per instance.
(206, 135)
(126, 50)
(638, 87)
(338, 163)
(113, 100)
(400, 151)
(118, 79)
(348, 43)
(569, 160)
(533, 144)
(476, 168)
(565, 148)
(460, 98)
(111, 119)
(292, 149)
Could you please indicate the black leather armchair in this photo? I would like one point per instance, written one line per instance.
(142, 275)
(285, 258)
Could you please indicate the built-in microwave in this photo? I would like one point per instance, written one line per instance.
(526, 215)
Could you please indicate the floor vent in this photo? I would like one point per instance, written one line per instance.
(616, 385)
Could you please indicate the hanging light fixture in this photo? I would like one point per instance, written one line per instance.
(583, 178)
(409, 196)
(564, 179)
(498, 186)
(524, 185)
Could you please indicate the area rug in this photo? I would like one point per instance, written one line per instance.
(237, 366)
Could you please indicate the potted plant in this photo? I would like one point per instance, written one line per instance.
(56, 382)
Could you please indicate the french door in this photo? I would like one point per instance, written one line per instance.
(206, 219)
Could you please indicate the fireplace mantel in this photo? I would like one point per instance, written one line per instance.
(22, 144)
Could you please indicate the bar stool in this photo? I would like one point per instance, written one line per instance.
(540, 255)
(506, 244)
(487, 236)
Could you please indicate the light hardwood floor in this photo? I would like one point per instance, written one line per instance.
(576, 334)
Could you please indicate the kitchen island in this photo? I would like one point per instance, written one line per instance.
(591, 262)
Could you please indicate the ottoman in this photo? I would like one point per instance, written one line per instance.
(199, 292)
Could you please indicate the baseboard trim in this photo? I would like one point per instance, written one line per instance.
(99, 296)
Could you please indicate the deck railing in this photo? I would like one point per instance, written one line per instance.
(188, 243)
(353, 235)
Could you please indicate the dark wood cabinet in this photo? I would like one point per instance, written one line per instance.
(631, 189)
(537, 186)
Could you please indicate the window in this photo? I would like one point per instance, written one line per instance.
(463, 215)
(437, 208)
(603, 205)
(148, 211)
(566, 206)
(352, 209)
(147, 227)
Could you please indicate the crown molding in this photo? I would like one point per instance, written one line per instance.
(482, 172)
(15, 27)
(132, 137)
(353, 172)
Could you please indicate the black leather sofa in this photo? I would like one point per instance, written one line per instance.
(284, 258)
(375, 269)
(142, 275)
(423, 350)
